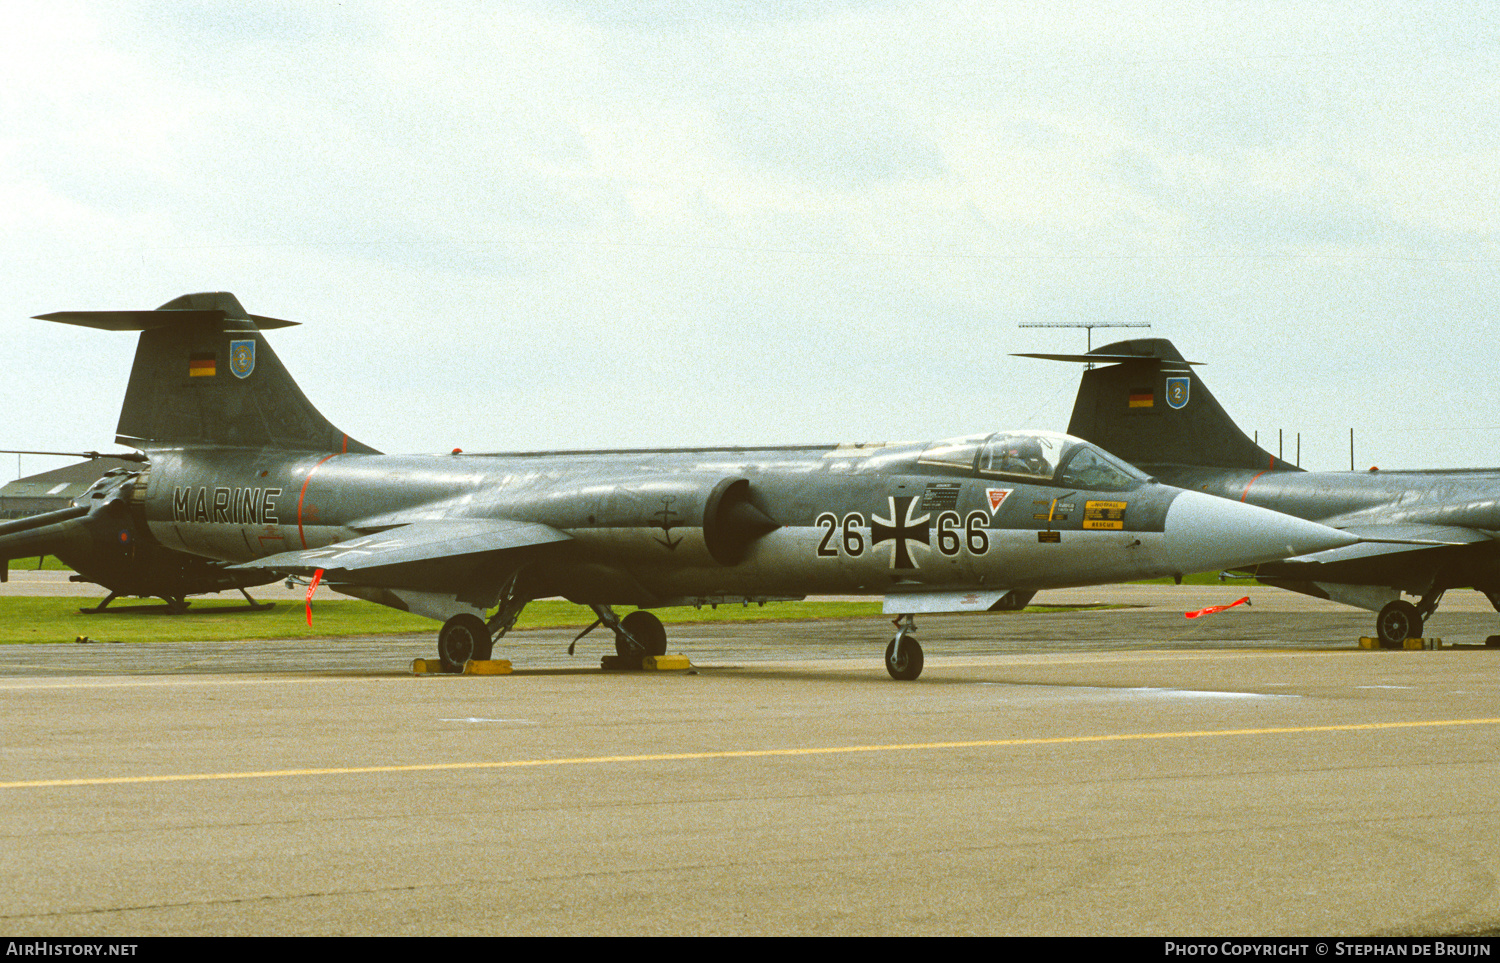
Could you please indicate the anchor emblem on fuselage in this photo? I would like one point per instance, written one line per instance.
(669, 521)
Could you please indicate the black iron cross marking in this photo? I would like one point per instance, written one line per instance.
(900, 527)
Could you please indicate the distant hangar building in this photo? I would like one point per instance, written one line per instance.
(51, 490)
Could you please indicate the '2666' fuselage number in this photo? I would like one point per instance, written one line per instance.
(952, 532)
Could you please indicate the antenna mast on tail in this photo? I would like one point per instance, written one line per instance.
(1085, 324)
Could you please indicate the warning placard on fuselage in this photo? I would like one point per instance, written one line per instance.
(1104, 516)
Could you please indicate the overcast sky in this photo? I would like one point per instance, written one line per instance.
(552, 224)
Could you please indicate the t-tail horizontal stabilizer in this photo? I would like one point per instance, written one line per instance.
(205, 375)
(1147, 406)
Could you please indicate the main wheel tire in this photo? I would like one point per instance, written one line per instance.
(1396, 623)
(463, 637)
(648, 631)
(909, 666)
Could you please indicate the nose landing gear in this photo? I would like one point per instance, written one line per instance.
(903, 657)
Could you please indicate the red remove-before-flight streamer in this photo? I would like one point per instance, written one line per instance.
(311, 588)
(1193, 615)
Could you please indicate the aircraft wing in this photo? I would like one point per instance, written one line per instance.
(1393, 539)
(418, 548)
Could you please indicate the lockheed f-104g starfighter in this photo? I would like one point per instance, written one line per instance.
(241, 468)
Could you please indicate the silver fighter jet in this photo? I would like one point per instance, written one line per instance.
(243, 469)
(1421, 532)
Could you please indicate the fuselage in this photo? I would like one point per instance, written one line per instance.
(1021, 511)
(1467, 497)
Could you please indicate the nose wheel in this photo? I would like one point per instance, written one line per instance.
(903, 657)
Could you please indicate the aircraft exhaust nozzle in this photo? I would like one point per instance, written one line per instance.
(1205, 533)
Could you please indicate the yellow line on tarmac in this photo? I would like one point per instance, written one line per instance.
(740, 754)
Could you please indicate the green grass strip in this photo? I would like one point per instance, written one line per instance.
(49, 564)
(50, 619)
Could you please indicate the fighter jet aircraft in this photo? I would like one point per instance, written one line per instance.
(1423, 532)
(243, 468)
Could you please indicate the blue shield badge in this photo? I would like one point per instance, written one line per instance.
(242, 358)
(1177, 392)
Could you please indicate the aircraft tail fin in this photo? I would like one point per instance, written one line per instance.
(1146, 405)
(205, 375)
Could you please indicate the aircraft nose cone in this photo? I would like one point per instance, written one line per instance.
(1205, 533)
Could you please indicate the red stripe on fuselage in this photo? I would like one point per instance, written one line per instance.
(1247, 484)
(303, 494)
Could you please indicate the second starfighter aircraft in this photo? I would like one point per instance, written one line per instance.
(1423, 532)
(241, 468)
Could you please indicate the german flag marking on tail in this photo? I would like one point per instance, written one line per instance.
(203, 365)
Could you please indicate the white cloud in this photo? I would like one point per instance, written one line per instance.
(552, 223)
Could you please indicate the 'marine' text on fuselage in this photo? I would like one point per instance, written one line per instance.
(230, 506)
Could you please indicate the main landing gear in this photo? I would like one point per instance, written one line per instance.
(903, 657)
(640, 633)
(637, 635)
(464, 637)
(1400, 620)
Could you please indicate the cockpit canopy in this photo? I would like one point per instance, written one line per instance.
(1037, 457)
